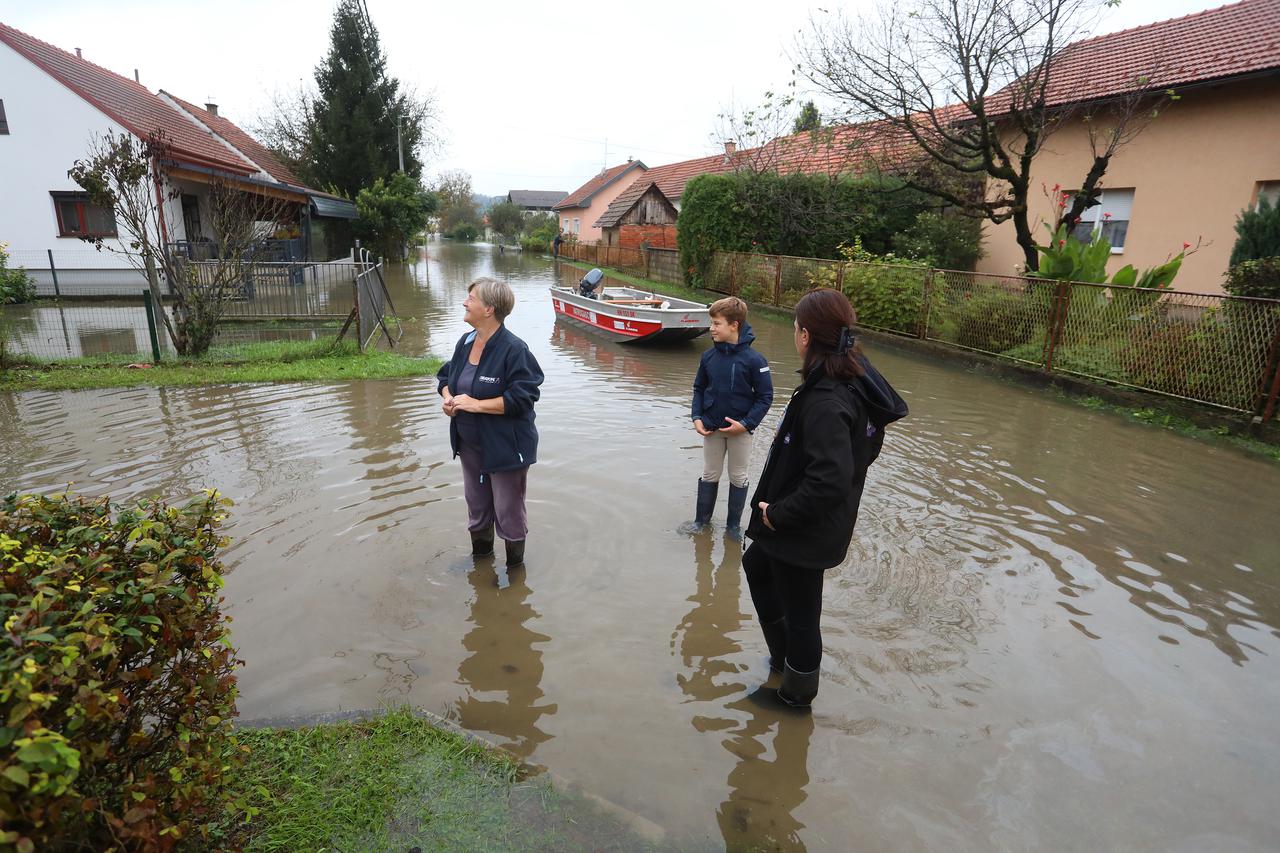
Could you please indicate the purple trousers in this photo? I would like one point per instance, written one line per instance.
(496, 498)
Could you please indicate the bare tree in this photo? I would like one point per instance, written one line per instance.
(130, 177)
(967, 87)
(758, 139)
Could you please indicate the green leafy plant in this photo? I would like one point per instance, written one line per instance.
(946, 242)
(117, 678)
(392, 211)
(887, 291)
(15, 285)
(1257, 233)
(1259, 278)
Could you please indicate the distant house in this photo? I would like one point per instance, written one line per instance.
(1208, 155)
(579, 210)
(54, 102)
(535, 201)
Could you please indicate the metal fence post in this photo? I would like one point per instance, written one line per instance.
(1273, 365)
(151, 326)
(733, 274)
(926, 305)
(54, 269)
(1057, 323)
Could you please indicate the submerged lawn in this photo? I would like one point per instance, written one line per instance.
(398, 782)
(273, 361)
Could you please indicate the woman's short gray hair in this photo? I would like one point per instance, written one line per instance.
(496, 295)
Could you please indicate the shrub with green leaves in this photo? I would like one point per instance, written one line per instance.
(15, 285)
(1259, 278)
(1257, 233)
(942, 241)
(887, 291)
(117, 678)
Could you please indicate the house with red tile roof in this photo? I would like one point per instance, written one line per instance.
(579, 210)
(54, 103)
(1210, 153)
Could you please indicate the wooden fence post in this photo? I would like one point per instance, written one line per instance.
(1273, 366)
(1061, 302)
(733, 274)
(777, 282)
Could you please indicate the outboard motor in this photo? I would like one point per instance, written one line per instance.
(587, 287)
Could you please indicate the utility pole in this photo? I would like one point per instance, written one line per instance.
(399, 142)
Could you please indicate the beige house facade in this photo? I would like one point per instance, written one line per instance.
(1211, 151)
(1184, 179)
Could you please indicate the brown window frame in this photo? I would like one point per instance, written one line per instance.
(81, 202)
(4, 122)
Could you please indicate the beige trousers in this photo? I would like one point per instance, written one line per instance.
(716, 447)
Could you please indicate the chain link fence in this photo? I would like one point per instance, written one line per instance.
(1215, 349)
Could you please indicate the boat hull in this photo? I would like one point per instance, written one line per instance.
(627, 321)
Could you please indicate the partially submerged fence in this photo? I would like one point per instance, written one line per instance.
(1220, 350)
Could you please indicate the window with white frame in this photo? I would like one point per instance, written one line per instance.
(566, 226)
(1270, 190)
(1109, 217)
(575, 226)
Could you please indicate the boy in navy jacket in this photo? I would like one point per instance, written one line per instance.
(732, 393)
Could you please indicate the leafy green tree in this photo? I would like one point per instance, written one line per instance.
(949, 242)
(357, 106)
(457, 204)
(507, 219)
(392, 211)
(1257, 233)
(808, 118)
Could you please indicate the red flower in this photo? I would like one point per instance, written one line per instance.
(1061, 243)
(1106, 216)
(1186, 246)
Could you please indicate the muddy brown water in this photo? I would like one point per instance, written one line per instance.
(1055, 630)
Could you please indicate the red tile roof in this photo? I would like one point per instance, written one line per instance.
(1230, 41)
(126, 102)
(242, 141)
(845, 149)
(581, 197)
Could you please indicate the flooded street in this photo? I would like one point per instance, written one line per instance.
(1055, 630)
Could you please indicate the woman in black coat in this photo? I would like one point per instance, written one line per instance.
(806, 503)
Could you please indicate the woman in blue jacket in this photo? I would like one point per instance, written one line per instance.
(489, 388)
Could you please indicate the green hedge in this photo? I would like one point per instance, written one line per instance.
(117, 679)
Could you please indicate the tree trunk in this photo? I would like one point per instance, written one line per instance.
(1026, 239)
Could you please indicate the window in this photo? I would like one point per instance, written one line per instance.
(1109, 217)
(4, 122)
(78, 218)
(566, 226)
(575, 226)
(1270, 190)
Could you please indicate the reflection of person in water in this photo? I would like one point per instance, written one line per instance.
(704, 637)
(503, 661)
(764, 793)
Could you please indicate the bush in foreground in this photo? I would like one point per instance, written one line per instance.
(117, 679)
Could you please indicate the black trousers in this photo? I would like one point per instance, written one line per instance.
(780, 590)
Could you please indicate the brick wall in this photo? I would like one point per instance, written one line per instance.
(658, 236)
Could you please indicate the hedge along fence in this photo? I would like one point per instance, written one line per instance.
(1220, 350)
(117, 679)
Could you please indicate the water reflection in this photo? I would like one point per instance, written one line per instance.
(503, 674)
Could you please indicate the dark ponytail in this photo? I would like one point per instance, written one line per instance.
(830, 321)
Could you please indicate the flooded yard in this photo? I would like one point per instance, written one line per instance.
(1055, 630)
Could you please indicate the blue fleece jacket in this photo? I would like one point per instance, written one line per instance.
(508, 370)
(733, 381)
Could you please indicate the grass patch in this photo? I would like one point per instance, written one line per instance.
(1163, 419)
(398, 782)
(267, 361)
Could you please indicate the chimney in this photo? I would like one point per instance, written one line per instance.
(135, 76)
(78, 56)
(211, 108)
(729, 147)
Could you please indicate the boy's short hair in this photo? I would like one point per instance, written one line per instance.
(731, 309)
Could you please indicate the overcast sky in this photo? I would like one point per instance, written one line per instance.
(531, 95)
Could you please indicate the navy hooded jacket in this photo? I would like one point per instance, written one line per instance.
(812, 481)
(733, 381)
(508, 370)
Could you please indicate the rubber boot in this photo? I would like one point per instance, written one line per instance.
(515, 553)
(705, 506)
(775, 637)
(733, 522)
(482, 542)
(798, 688)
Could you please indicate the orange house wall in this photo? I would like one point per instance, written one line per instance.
(1192, 169)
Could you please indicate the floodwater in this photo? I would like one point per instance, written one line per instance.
(1055, 630)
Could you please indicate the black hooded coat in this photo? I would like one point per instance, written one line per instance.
(830, 434)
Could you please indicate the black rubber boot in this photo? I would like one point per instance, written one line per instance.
(482, 542)
(798, 688)
(515, 553)
(775, 637)
(705, 506)
(733, 521)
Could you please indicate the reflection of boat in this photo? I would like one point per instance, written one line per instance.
(629, 315)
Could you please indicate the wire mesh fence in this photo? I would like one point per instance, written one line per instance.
(1215, 349)
(79, 272)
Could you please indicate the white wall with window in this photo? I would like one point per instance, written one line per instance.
(1109, 218)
